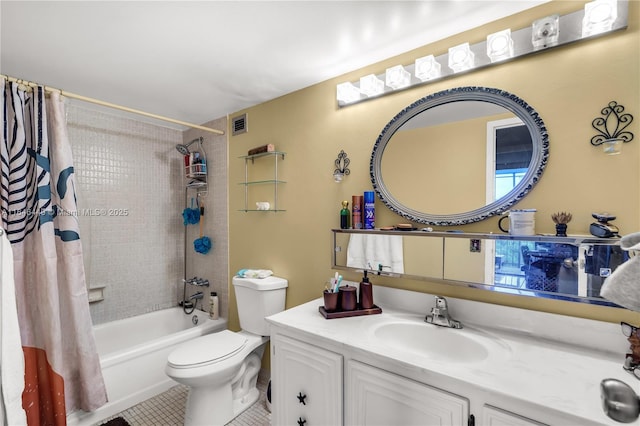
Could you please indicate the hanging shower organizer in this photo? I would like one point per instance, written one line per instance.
(195, 169)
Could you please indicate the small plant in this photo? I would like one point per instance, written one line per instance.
(561, 218)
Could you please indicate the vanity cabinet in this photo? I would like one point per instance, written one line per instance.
(378, 397)
(267, 179)
(306, 383)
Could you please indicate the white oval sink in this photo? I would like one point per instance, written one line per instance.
(441, 343)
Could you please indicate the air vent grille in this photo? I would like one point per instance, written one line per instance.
(239, 124)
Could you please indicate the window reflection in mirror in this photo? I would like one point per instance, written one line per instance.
(510, 148)
(535, 267)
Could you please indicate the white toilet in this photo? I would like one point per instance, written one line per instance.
(221, 369)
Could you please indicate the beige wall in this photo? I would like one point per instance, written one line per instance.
(567, 86)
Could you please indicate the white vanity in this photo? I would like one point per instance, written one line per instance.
(507, 366)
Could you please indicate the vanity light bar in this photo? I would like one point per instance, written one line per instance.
(598, 17)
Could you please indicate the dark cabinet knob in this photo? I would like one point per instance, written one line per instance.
(301, 398)
(301, 421)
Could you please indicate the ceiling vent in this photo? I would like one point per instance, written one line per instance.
(239, 124)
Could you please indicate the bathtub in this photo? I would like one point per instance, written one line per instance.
(133, 353)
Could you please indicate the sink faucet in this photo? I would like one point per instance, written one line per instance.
(440, 315)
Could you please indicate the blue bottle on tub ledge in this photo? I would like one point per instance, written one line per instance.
(369, 210)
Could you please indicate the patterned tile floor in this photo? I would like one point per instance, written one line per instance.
(167, 409)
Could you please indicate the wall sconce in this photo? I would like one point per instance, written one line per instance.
(599, 16)
(611, 128)
(545, 32)
(397, 77)
(500, 46)
(342, 169)
(596, 18)
(461, 58)
(370, 85)
(427, 68)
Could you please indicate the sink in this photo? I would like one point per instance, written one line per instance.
(441, 343)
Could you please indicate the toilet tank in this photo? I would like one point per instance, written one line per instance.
(258, 298)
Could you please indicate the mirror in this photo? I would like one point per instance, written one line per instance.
(571, 268)
(443, 137)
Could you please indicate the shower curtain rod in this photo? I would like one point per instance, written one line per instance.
(110, 105)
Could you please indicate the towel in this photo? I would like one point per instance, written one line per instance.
(254, 273)
(11, 355)
(368, 251)
(623, 285)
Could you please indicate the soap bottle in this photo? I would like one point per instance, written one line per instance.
(213, 306)
(344, 215)
(366, 293)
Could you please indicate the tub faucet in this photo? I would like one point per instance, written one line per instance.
(440, 315)
(196, 296)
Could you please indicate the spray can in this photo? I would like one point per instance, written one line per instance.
(369, 210)
(356, 211)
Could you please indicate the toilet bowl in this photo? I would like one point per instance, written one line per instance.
(221, 369)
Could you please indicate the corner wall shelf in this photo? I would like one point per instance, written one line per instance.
(275, 181)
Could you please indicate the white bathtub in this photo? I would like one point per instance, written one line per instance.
(133, 353)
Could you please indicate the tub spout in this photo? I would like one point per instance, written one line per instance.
(196, 296)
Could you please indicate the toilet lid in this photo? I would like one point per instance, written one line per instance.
(207, 349)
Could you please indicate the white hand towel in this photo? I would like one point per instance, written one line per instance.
(623, 286)
(367, 251)
(11, 355)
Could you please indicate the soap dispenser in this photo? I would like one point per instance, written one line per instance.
(366, 293)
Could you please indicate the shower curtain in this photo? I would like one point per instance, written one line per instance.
(39, 216)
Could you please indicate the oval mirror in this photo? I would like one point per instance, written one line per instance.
(461, 145)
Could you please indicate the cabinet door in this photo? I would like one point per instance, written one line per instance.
(378, 397)
(492, 416)
(306, 384)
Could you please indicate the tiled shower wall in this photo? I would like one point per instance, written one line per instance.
(130, 202)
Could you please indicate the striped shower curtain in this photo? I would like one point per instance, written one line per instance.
(39, 216)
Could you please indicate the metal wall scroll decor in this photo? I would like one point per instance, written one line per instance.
(611, 127)
(342, 169)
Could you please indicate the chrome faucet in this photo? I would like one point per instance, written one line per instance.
(440, 315)
(196, 296)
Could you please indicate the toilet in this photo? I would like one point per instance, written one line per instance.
(221, 369)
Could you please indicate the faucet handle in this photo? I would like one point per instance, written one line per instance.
(441, 302)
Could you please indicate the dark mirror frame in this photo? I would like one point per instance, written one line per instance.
(509, 101)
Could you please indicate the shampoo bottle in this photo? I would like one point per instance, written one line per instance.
(213, 305)
(344, 215)
(366, 293)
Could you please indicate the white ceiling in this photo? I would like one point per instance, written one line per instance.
(196, 61)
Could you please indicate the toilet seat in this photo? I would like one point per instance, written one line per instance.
(207, 350)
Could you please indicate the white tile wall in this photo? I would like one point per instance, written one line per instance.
(130, 200)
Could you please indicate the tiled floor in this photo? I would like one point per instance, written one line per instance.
(167, 409)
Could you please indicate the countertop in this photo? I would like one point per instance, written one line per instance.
(542, 370)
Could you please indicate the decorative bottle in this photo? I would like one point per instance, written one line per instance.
(213, 306)
(344, 215)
